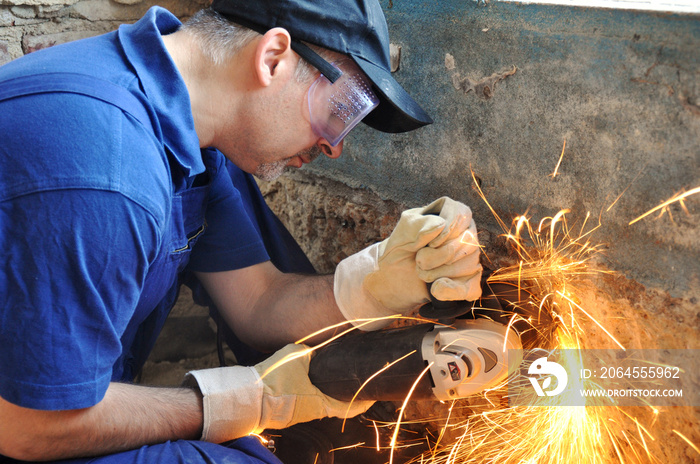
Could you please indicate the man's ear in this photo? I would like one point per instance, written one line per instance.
(273, 55)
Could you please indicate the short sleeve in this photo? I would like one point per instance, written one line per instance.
(72, 264)
(231, 240)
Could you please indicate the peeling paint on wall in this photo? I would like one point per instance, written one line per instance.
(482, 88)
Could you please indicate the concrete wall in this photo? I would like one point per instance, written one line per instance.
(508, 84)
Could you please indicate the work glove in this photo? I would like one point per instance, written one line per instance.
(238, 400)
(435, 244)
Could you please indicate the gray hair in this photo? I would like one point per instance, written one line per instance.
(220, 39)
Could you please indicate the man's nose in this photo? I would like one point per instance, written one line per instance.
(328, 150)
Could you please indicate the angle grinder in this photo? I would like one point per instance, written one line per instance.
(470, 349)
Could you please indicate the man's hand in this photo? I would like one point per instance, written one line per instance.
(451, 261)
(239, 400)
(436, 243)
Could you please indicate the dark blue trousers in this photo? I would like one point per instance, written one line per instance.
(246, 450)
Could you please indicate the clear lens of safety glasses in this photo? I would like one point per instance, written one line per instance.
(336, 108)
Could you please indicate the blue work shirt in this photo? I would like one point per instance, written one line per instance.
(101, 212)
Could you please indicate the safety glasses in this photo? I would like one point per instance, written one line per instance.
(335, 108)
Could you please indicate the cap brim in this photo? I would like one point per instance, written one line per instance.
(397, 111)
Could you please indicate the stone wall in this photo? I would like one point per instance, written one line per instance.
(330, 220)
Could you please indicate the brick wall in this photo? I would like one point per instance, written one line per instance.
(30, 25)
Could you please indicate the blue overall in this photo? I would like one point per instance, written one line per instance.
(107, 205)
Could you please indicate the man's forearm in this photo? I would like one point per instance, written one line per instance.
(268, 309)
(298, 306)
(128, 417)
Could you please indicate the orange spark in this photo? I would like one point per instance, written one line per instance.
(368, 380)
(628, 186)
(593, 319)
(678, 197)
(561, 157)
(692, 445)
(376, 433)
(262, 439)
(356, 445)
(403, 408)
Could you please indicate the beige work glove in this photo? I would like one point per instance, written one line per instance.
(436, 243)
(237, 401)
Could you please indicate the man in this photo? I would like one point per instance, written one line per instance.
(122, 171)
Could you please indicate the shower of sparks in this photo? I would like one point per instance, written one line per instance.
(551, 257)
(679, 197)
(552, 434)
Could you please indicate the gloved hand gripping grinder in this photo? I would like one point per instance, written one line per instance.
(465, 358)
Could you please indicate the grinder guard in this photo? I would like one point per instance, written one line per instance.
(470, 357)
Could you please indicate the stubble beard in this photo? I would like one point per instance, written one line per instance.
(272, 171)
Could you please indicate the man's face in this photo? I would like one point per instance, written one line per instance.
(291, 125)
(293, 145)
(275, 133)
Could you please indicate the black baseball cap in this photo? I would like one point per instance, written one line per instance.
(356, 28)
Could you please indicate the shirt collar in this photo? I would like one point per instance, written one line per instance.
(163, 85)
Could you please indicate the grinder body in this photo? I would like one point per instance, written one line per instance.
(465, 358)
